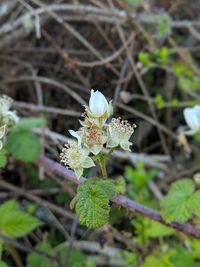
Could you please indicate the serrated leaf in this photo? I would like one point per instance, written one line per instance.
(92, 203)
(23, 145)
(29, 123)
(181, 202)
(106, 186)
(3, 158)
(15, 223)
(18, 224)
(195, 203)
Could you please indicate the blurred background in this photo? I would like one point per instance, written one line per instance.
(143, 54)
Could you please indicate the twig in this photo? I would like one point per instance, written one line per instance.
(47, 80)
(21, 192)
(121, 200)
(36, 108)
(26, 248)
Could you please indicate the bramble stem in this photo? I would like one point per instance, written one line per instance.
(107, 156)
(102, 163)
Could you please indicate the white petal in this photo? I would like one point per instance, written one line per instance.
(197, 112)
(77, 136)
(191, 118)
(98, 104)
(13, 116)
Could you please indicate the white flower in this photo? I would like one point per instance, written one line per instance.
(192, 118)
(76, 158)
(9, 117)
(98, 105)
(120, 132)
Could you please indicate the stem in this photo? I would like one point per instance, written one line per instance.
(102, 164)
(107, 156)
(14, 254)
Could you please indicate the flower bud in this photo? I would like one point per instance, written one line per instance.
(192, 118)
(98, 104)
(99, 109)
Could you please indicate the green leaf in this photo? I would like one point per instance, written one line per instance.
(155, 230)
(4, 264)
(162, 261)
(36, 260)
(8, 207)
(18, 224)
(29, 123)
(92, 202)
(145, 58)
(15, 223)
(23, 145)
(3, 158)
(106, 186)
(74, 257)
(181, 202)
(120, 185)
(194, 203)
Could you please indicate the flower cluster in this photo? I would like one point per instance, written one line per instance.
(94, 134)
(7, 117)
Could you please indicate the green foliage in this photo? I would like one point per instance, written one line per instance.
(160, 56)
(163, 24)
(159, 101)
(138, 179)
(181, 202)
(76, 258)
(156, 230)
(15, 223)
(4, 264)
(135, 3)
(152, 261)
(182, 258)
(120, 185)
(35, 259)
(129, 257)
(92, 202)
(73, 257)
(29, 123)
(145, 58)
(3, 158)
(23, 145)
